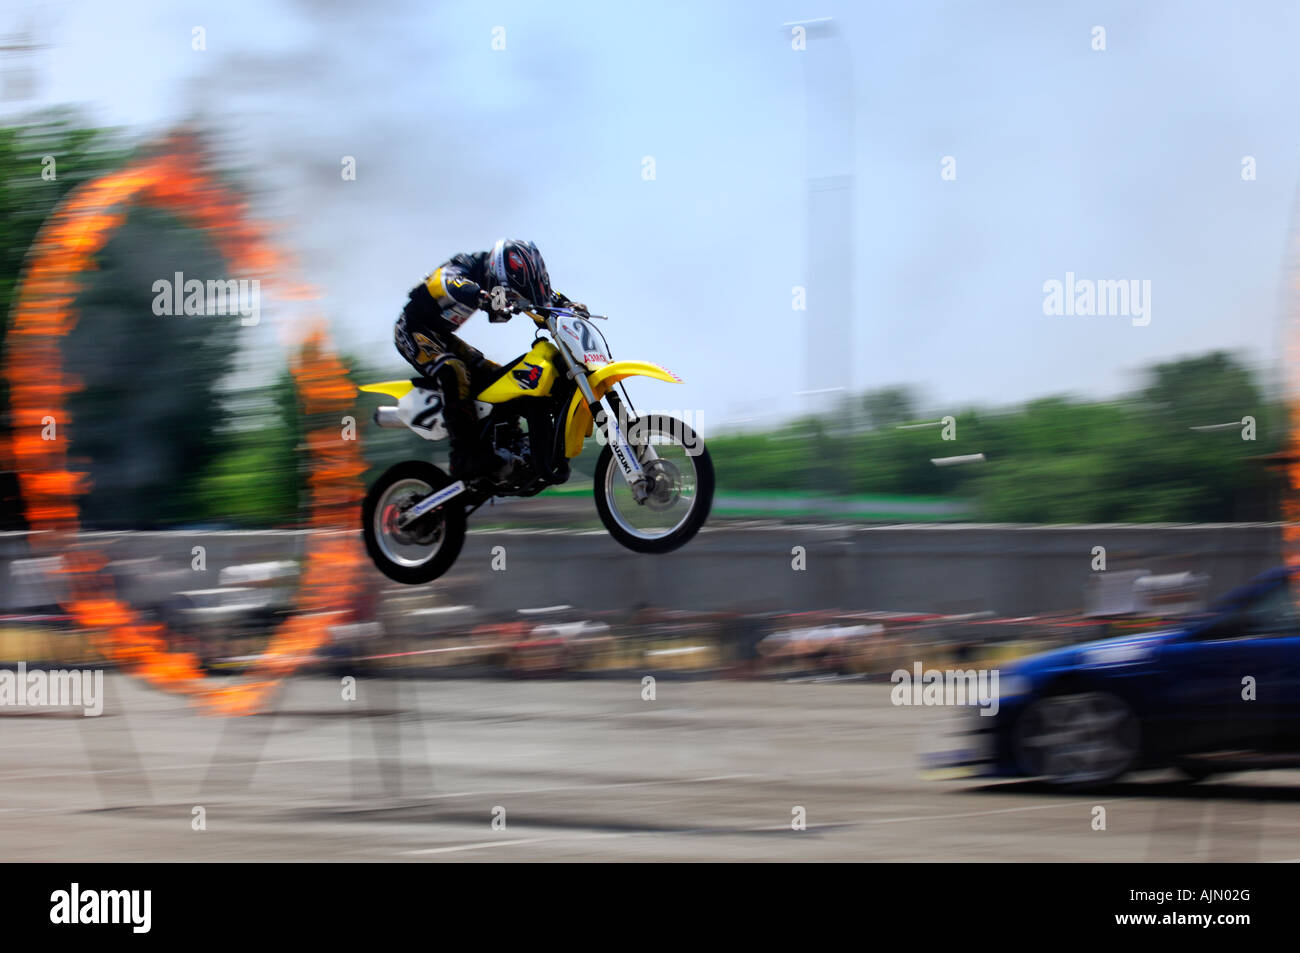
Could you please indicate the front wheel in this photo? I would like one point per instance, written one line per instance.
(428, 547)
(1078, 739)
(679, 490)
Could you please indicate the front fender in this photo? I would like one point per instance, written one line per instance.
(578, 423)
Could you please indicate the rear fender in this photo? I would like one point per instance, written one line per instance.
(394, 389)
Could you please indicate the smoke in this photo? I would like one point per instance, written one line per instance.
(441, 129)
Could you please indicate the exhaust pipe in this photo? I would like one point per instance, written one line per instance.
(387, 417)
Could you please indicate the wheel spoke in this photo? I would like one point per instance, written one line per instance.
(415, 545)
(670, 492)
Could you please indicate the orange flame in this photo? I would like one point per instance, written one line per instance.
(65, 247)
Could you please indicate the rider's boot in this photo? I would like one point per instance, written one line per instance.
(476, 463)
(469, 460)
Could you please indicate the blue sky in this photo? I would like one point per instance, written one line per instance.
(1119, 164)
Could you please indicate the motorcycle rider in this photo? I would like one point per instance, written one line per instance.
(425, 334)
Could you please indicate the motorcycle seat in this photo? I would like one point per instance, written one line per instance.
(479, 383)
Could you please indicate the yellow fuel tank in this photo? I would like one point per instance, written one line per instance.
(532, 376)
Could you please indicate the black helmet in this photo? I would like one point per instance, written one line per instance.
(518, 267)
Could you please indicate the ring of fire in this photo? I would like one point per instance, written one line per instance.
(65, 247)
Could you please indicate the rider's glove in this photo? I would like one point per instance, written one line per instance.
(565, 302)
(486, 302)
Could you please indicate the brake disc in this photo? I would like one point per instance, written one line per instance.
(666, 489)
(423, 532)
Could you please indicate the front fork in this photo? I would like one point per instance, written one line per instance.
(630, 459)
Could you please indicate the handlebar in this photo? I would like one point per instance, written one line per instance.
(519, 306)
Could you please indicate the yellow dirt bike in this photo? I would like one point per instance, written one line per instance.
(653, 479)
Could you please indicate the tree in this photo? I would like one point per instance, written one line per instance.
(145, 419)
(41, 160)
(888, 407)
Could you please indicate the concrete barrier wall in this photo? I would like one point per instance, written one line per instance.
(1006, 569)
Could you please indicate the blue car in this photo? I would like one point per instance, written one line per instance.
(1219, 693)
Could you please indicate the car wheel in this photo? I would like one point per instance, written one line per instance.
(1082, 739)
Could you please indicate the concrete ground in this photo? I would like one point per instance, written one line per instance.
(577, 770)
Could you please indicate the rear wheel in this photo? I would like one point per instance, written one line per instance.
(428, 547)
(679, 491)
